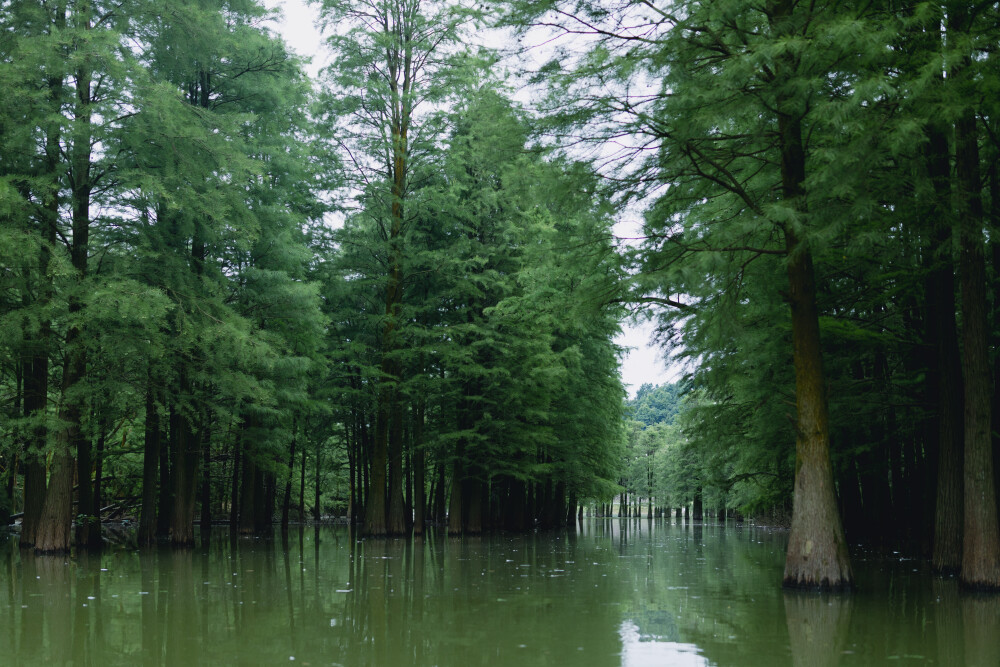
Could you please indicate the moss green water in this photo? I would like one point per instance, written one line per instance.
(618, 592)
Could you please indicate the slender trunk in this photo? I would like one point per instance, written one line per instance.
(98, 483)
(234, 491)
(317, 509)
(165, 500)
(287, 499)
(204, 441)
(396, 520)
(439, 494)
(455, 503)
(302, 487)
(151, 455)
(419, 462)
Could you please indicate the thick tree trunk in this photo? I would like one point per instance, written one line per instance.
(472, 492)
(944, 375)
(165, 498)
(817, 549)
(184, 480)
(55, 523)
(251, 491)
(375, 506)
(397, 521)
(981, 539)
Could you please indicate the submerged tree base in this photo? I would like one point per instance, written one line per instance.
(824, 586)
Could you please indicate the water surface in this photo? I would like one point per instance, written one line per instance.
(616, 592)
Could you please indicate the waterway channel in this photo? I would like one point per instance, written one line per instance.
(615, 592)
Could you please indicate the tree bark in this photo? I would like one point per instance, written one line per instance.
(981, 540)
(150, 463)
(817, 549)
(183, 478)
(419, 464)
(944, 375)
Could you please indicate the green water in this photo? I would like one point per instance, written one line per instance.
(617, 592)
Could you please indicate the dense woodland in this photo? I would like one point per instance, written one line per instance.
(230, 293)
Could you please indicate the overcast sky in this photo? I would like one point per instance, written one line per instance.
(643, 363)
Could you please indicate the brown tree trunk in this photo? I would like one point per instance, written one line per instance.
(375, 505)
(286, 500)
(456, 517)
(817, 549)
(419, 464)
(165, 496)
(56, 520)
(397, 521)
(184, 479)
(981, 540)
(150, 464)
(944, 370)
(35, 483)
(205, 495)
(36, 382)
(317, 508)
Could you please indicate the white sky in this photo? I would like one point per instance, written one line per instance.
(642, 363)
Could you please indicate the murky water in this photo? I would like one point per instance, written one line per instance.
(618, 592)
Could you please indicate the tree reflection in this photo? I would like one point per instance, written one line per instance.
(981, 621)
(817, 627)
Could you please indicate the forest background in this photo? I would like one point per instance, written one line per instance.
(183, 334)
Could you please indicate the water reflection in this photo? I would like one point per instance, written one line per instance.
(638, 650)
(817, 627)
(617, 592)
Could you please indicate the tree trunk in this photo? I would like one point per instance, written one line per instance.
(981, 540)
(205, 443)
(184, 480)
(317, 508)
(944, 375)
(375, 507)
(287, 499)
(36, 382)
(455, 504)
(302, 487)
(397, 521)
(817, 550)
(165, 500)
(419, 463)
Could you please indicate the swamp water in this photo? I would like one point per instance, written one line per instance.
(617, 592)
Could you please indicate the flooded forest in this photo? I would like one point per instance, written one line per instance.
(244, 293)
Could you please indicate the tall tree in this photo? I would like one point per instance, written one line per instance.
(392, 60)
